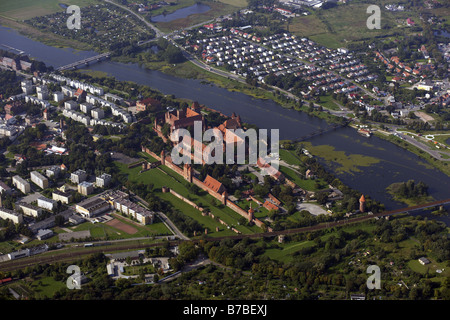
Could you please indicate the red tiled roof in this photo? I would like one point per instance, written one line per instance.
(270, 206)
(213, 184)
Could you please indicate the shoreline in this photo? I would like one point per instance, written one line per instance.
(202, 75)
(444, 168)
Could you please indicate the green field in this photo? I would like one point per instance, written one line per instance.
(335, 27)
(163, 176)
(285, 251)
(26, 9)
(47, 286)
(101, 230)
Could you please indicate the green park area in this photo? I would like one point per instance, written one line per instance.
(26, 9)
(162, 176)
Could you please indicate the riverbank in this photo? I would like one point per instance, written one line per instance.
(440, 165)
(188, 70)
(46, 38)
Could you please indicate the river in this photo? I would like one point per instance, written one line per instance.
(182, 13)
(395, 164)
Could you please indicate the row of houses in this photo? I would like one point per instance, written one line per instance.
(78, 84)
(87, 121)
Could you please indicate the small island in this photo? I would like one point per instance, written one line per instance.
(410, 192)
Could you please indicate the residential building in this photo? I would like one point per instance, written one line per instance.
(45, 203)
(78, 176)
(64, 197)
(11, 215)
(86, 107)
(103, 180)
(97, 113)
(39, 179)
(21, 184)
(70, 105)
(53, 171)
(30, 210)
(85, 188)
(4, 188)
(58, 96)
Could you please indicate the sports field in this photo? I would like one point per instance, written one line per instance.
(121, 226)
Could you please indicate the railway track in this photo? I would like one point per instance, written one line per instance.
(70, 256)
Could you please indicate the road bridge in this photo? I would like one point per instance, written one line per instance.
(86, 61)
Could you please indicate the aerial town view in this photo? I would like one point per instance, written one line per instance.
(247, 151)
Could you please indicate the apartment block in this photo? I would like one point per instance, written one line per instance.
(39, 179)
(21, 184)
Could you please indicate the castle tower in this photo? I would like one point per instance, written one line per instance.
(362, 204)
(224, 198)
(251, 213)
(163, 157)
(187, 170)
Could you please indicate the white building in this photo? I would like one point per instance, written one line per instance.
(58, 96)
(86, 107)
(103, 181)
(46, 203)
(85, 188)
(70, 105)
(64, 197)
(78, 176)
(53, 171)
(39, 179)
(11, 215)
(92, 207)
(30, 210)
(97, 113)
(21, 184)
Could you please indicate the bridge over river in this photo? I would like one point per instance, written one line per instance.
(86, 61)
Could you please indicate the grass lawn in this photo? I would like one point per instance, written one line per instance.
(306, 184)
(47, 286)
(163, 176)
(286, 251)
(101, 230)
(328, 102)
(416, 266)
(290, 157)
(26, 9)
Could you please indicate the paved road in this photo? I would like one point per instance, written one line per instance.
(169, 224)
(431, 151)
(158, 32)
